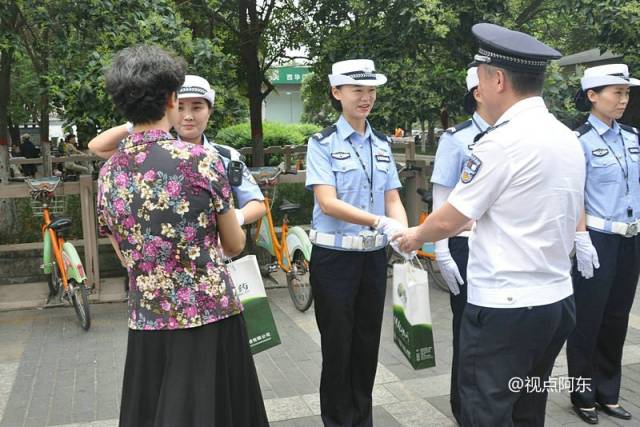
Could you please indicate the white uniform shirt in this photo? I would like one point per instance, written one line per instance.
(524, 186)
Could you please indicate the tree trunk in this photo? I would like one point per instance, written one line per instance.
(44, 102)
(431, 135)
(8, 215)
(14, 130)
(249, 42)
(5, 89)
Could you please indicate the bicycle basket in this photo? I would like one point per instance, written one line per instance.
(43, 189)
(55, 203)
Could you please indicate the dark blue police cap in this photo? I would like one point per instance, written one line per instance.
(510, 49)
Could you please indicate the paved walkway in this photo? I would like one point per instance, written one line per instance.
(54, 374)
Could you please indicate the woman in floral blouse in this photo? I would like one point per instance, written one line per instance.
(165, 204)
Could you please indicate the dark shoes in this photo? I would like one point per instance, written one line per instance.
(616, 412)
(589, 416)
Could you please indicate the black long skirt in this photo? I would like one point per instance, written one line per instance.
(202, 376)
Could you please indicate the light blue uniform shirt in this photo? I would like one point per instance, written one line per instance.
(454, 149)
(605, 188)
(248, 190)
(333, 161)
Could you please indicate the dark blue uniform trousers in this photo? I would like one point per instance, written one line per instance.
(603, 303)
(348, 290)
(498, 344)
(459, 248)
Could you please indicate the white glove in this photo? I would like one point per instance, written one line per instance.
(389, 227)
(449, 270)
(240, 217)
(586, 254)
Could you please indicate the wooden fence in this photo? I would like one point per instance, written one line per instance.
(414, 178)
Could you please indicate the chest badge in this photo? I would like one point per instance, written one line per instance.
(600, 152)
(471, 168)
(383, 157)
(634, 150)
(340, 155)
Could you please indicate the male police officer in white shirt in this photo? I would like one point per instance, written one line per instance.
(524, 187)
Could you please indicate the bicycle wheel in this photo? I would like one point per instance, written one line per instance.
(80, 300)
(54, 281)
(434, 274)
(298, 282)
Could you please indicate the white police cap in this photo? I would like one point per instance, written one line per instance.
(196, 87)
(472, 83)
(472, 78)
(605, 75)
(359, 72)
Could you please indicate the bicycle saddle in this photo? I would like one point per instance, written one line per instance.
(288, 206)
(264, 172)
(48, 184)
(425, 195)
(60, 224)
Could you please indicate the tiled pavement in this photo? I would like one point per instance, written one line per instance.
(52, 373)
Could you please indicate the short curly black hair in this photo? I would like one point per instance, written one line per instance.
(141, 80)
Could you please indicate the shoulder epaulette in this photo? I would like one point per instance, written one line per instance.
(324, 133)
(488, 130)
(582, 129)
(223, 151)
(459, 126)
(381, 135)
(629, 128)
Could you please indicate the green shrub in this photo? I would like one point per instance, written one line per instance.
(295, 193)
(275, 134)
(28, 227)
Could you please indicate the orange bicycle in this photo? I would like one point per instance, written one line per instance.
(292, 251)
(60, 258)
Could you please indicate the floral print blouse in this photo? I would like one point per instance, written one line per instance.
(159, 198)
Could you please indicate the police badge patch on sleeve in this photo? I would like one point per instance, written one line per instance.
(470, 169)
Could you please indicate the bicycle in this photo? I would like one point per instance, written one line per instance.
(60, 259)
(427, 252)
(292, 251)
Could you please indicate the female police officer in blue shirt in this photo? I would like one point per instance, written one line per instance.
(351, 170)
(608, 254)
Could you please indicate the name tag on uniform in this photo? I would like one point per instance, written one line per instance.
(340, 155)
(470, 169)
(634, 150)
(600, 152)
(383, 158)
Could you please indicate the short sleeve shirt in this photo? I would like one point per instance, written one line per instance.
(347, 161)
(454, 149)
(524, 187)
(612, 157)
(160, 198)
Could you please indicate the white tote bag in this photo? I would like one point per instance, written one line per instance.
(261, 328)
(412, 329)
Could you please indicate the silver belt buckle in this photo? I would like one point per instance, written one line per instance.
(632, 229)
(368, 240)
